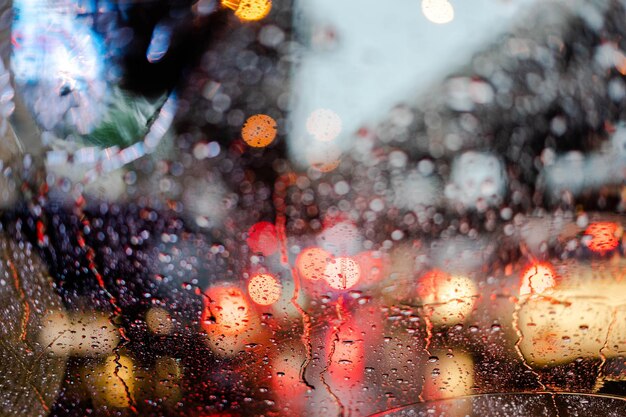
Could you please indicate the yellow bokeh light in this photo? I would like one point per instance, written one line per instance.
(159, 321)
(449, 299)
(114, 378)
(78, 334)
(537, 278)
(559, 329)
(249, 9)
(264, 289)
(259, 130)
(438, 11)
(583, 317)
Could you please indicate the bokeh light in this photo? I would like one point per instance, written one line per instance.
(228, 271)
(159, 321)
(342, 273)
(264, 289)
(449, 299)
(428, 283)
(227, 311)
(324, 124)
(561, 328)
(311, 263)
(230, 322)
(249, 9)
(438, 11)
(477, 181)
(56, 333)
(160, 43)
(259, 131)
(340, 237)
(262, 238)
(537, 278)
(229, 345)
(114, 379)
(78, 334)
(603, 236)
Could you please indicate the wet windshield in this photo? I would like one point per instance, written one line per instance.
(290, 208)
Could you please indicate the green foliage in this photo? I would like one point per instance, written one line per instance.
(127, 120)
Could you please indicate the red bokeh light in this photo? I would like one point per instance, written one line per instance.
(429, 282)
(262, 238)
(604, 236)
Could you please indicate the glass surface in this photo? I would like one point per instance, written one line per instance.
(289, 208)
(492, 405)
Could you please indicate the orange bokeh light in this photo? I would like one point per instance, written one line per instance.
(259, 130)
(342, 273)
(264, 289)
(249, 9)
(537, 278)
(311, 263)
(262, 238)
(227, 312)
(604, 236)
